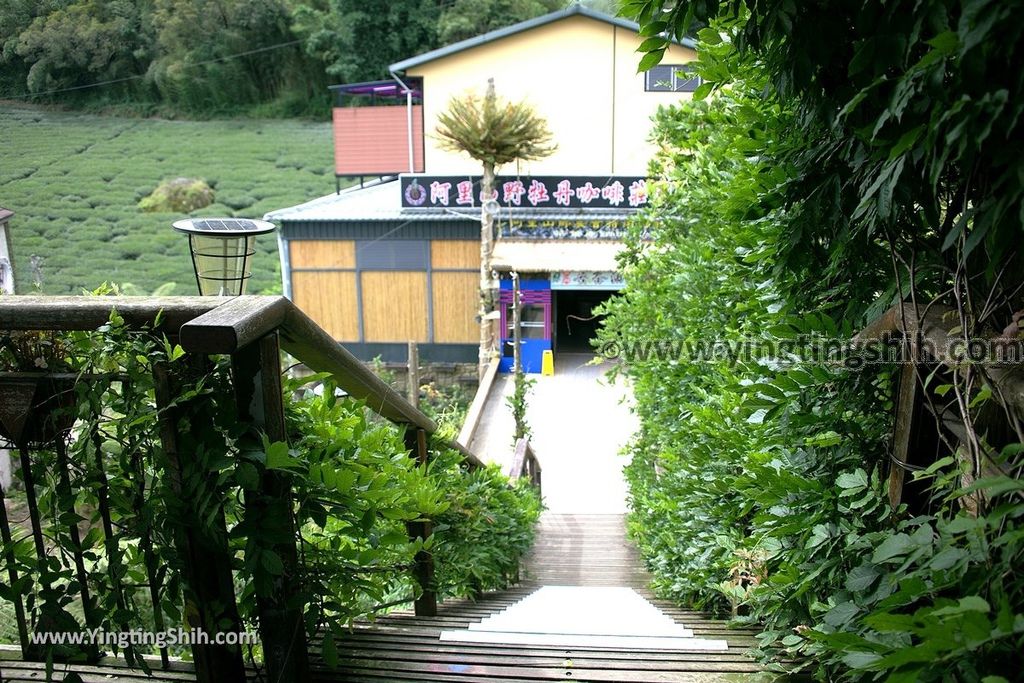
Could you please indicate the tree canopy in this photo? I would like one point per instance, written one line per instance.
(218, 56)
(493, 131)
(906, 116)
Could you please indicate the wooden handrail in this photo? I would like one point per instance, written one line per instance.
(69, 313)
(243, 320)
(221, 325)
(476, 408)
(252, 330)
(934, 324)
(525, 463)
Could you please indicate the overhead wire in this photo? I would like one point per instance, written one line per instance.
(136, 77)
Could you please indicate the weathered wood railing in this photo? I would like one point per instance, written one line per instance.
(525, 464)
(934, 349)
(252, 330)
(476, 408)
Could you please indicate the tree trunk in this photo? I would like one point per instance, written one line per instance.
(486, 247)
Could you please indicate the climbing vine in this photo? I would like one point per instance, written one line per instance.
(517, 402)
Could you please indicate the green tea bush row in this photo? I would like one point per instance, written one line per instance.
(74, 182)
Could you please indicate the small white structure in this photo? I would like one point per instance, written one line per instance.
(6, 258)
(6, 287)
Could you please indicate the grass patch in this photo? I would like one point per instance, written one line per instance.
(74, 181)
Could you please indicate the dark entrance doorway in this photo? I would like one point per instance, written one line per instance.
(576, 323)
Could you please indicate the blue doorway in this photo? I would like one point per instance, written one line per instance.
(535, 324)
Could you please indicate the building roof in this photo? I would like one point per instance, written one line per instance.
(5, 213)
(382, 201)
(378, 201)
(542, 256)
(386, 89)
(573, 10)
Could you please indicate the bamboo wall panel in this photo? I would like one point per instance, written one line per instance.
(322, 253)
(330, 300)
(455, 254)
(394, 306)
(456, 300)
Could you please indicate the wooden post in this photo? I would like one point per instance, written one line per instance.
(905, 399)
(413, 375)
(209, 588)
(257, 382)
(423, 571)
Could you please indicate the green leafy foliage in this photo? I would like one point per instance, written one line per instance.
(179, 195)
(901, 138)
(210, 58)
(835, 171)
(492, 130)
(357, 41)
(517, 403)
(486, 529)
(354, 488)
(464, 19)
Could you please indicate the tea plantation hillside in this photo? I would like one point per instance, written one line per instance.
(74, 182)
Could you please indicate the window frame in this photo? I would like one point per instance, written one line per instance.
(679, 81)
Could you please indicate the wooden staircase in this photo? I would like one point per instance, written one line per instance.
(571, 550)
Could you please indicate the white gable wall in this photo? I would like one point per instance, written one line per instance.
(579, 73)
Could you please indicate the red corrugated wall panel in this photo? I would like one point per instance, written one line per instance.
(374, 140)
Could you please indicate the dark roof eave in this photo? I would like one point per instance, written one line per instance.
(497, 34)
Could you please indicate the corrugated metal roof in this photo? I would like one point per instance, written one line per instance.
(539, 256)
(572, 10)
(5, 213)
(382, 201)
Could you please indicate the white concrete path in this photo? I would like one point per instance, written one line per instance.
(580, 422)
(585, 616)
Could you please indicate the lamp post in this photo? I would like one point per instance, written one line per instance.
(222, 250)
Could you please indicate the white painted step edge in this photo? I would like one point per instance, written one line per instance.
(632, 643)
(575, 630)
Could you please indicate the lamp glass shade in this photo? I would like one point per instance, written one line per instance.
(222, 251)
(223, 264)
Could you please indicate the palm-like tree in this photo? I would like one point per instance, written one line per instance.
(494, 132)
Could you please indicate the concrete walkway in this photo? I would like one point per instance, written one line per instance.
(584, 596)
(580, 422)
(585, 616)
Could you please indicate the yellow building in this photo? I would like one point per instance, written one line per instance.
(397, 259)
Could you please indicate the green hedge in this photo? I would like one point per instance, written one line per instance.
(776, 468)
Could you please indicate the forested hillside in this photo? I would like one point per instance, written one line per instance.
(211, 57)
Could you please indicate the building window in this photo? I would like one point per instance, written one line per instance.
(392, 255)
(670, 78)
